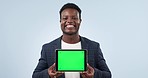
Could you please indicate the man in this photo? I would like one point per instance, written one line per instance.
(70, 20)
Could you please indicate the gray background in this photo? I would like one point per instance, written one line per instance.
(120, 26)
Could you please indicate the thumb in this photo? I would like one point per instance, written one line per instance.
(52, 67)
(88, 66)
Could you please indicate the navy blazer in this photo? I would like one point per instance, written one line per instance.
(95, 59)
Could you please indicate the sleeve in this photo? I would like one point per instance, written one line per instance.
(101, 68)
(41, 71)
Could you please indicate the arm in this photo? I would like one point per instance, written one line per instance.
(41, 71)
(101, 69)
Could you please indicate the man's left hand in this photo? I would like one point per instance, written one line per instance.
(89, 73)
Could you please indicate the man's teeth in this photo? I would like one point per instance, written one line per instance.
(68, 26)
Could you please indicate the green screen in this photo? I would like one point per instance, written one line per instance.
(71, 60)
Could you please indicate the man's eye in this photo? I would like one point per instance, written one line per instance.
(74, 18)
(64, 18)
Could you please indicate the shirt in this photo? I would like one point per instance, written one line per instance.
(71, 46)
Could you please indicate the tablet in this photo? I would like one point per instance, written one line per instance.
(71, 60)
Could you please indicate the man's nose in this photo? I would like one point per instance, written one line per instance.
(69, 20)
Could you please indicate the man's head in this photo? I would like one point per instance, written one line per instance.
(70, 18)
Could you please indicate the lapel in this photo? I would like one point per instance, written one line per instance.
(84, 45)
(51, 53)
(90, 52)
(57, 44)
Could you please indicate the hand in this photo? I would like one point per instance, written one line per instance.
(52, 72)
(89, 73)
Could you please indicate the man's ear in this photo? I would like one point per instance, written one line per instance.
(80, 20)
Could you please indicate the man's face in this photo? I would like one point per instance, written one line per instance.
(70, 21)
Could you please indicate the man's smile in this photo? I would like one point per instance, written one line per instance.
(69, 26)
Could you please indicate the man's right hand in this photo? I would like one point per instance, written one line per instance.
(52, 72)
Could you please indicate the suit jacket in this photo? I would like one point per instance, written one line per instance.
(95, 59)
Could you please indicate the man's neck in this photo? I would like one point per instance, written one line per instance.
(71, 39)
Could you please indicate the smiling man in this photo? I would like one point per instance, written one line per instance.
(70, 20)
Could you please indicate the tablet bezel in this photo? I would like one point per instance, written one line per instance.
(85, 60)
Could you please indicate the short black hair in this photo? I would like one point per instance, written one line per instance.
(70, 5)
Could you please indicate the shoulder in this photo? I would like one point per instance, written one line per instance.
(55, 41)
(89, 41)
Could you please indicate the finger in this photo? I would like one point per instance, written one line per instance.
(59, 74)
(51, 70)
(83, 74)
(89, 67)
(90, 70)
(51, 73)
(52, 66)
